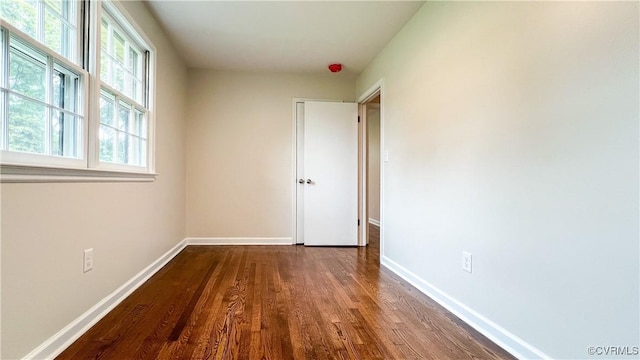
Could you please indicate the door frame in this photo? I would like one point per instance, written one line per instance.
(294, 164)
(376, 89)
(370, 93)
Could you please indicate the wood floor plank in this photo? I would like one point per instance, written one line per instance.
(280, 302)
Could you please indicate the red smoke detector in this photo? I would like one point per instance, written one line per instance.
(334, 68)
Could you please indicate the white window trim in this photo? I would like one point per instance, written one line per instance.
(25, 168)
(52, 174)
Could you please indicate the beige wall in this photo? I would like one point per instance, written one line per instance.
(46, 227)
(512, 131)
(373, 161)
(239, 163)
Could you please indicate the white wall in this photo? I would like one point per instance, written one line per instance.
(46, 227)
(373, 161)
(512, 130)
(239, 164)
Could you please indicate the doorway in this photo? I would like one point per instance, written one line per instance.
(371, 166)
(372, 109)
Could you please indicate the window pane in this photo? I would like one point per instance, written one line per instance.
(27, 122)
(107, 137)
(69, 42)
(118, 47)
(106, 109)
(65, 129)
(65, 88)
(105, 69)
(134, 150)
(104, 35)
(72, 136)
(133, 62)
(2, 92)
(123, 117)
(1, 58)
(21, 14)
(58, 89)
(27, 73)
(139, 127)
(53, 32)
(140, 92)
(104, 59)
(142, 153)
(123, 144)
(133, 87)
(134, 75)
(118, 78)
(57, 133)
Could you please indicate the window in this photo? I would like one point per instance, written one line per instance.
(41, 101)
(49, 115)
(123, 108)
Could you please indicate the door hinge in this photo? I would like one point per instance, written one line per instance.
(358, 118)
(358, 222)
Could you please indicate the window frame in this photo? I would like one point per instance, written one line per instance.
(26, 167)
(123, 23)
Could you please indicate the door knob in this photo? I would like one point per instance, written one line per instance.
(309, 181)
(301, 181)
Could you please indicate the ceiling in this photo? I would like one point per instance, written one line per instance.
(288, 36)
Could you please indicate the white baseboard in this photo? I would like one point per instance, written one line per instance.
(374, 222)
(238, 241)
(505, 339)
(70, 333)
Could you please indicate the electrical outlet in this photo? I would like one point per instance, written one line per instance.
(88, 260)
(466, 261)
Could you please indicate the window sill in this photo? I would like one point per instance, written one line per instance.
(39, 174)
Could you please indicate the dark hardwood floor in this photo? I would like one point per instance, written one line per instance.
(280, 302)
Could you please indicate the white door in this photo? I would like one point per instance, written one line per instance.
(329, 212)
